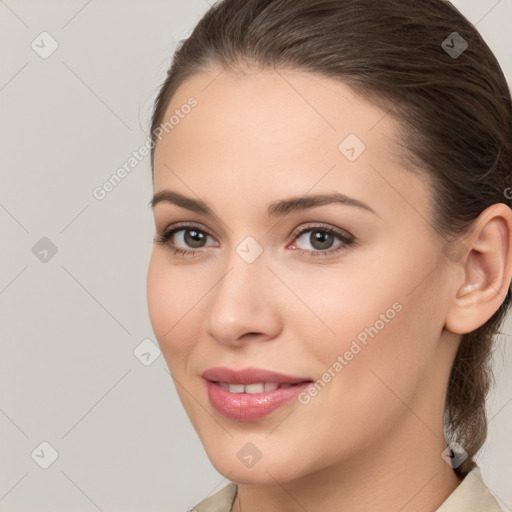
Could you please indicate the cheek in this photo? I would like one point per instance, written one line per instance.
(161, 303)
(374, 319)
(174, 297)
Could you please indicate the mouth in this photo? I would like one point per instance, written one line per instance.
(254, 400)
(250, 376)
(257, 387)
(251, 394)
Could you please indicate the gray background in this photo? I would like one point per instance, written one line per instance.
(70, 324)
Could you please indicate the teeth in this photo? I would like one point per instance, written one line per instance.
(258, 387)
(253, 388)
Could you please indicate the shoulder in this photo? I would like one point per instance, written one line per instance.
(472, 495)
(221, 501)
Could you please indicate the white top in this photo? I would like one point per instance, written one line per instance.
(471, 495)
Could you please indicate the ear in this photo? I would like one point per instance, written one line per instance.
(485, 264)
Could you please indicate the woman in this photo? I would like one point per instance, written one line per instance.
(332, 255)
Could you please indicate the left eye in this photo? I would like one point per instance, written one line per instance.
(320, 239)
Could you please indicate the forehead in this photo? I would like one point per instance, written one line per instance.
(277, 130)
(277, 103)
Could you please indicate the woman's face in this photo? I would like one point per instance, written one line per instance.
(351, 293)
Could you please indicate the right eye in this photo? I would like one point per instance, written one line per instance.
(184, 239)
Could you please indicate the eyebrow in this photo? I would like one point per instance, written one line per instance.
(276, 209)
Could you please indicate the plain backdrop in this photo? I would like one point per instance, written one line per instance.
(82, 388)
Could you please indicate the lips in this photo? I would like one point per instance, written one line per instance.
(252, 393)
(250, 376)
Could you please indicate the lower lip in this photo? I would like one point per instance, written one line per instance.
(251, 406)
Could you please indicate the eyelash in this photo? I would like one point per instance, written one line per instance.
(347, 240)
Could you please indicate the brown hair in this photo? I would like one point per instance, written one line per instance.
(454, 111)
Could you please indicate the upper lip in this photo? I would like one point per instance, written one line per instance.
(249, 376)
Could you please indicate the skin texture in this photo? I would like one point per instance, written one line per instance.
(372, 438)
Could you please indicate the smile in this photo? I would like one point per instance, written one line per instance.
(258, 387)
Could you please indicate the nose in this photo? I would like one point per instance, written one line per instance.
(244, 303)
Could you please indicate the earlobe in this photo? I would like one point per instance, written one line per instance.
(487, 271)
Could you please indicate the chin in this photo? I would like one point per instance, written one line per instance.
(230, 463)
(259, 474)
